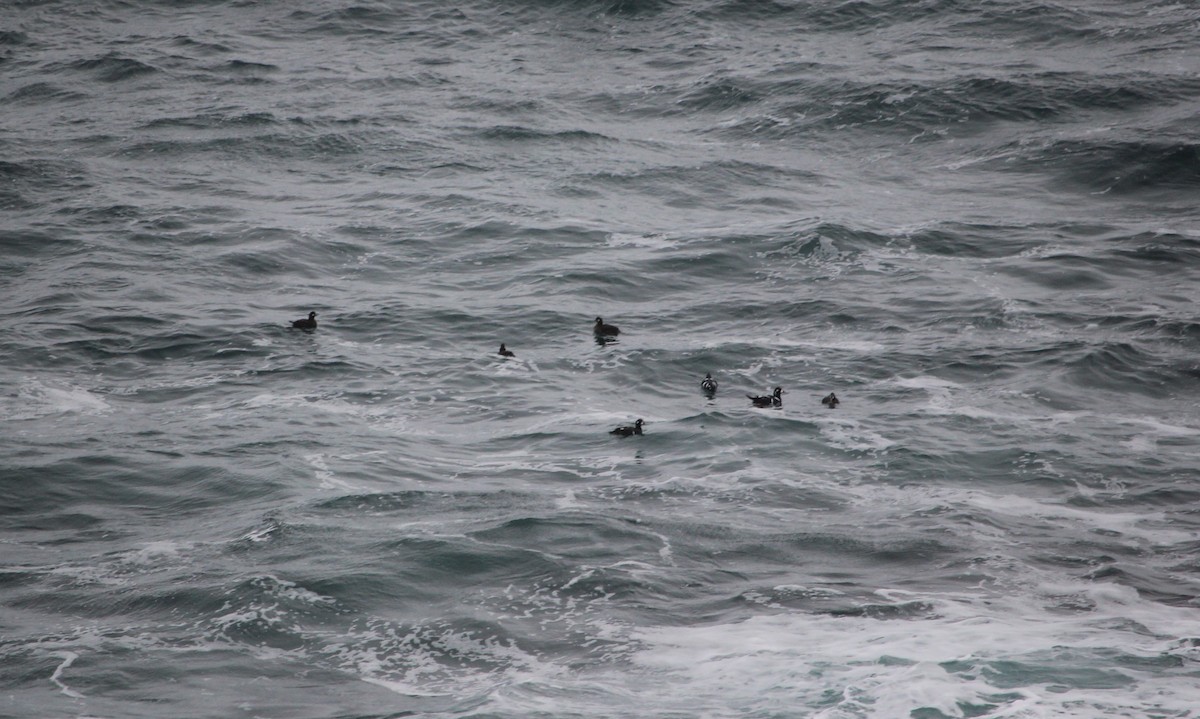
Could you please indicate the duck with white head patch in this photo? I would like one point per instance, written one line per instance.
(768, 400)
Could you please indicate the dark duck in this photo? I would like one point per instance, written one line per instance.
(708, 384)
(505, 352)
(830, 401)
(603, 330)
(768, 400)
(626, 430)
(306, 324)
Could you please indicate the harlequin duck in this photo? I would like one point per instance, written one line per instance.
(772, 400)
(831, 401)
(603, 330)
(308, 324)
(708, 384)
(505, 352)
(626, 430)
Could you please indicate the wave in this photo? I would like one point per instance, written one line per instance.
(374, 20)
(113, 68)
(206, 121)
(823, 241)
(41, 92)
(983, 241)
(1160, 248)
(40, 172)
(1024, 20)
(318, 146)
(25, 184)
(103, 214)
(34, 243)
(1033, 22)
(247, 67)
(72, 340)
(795, 107)
(520, 106)
(519, 133)
(206, 48)
(857, 15)
(365, 14)
(719, 94)
(13, 37)
(706, 184)
(1122, 367)
(1065, 271)
(615, 8)
(1122, 167)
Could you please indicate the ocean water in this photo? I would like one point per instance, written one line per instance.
(976, 222)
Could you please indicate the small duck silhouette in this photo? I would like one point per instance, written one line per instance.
(626, 430)
(768, 400)
(831, 401)
(604, 330)
(505, 352)
(708, 384)
(308, 324)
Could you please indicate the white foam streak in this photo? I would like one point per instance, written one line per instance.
(328, 479)
(68, 658)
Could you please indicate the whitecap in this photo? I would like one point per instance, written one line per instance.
(35, 399)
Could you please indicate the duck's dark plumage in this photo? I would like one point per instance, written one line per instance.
(505, 352)
(830, 401)
(768, 400)
(708, 384)
(605, 330)
(307, 324)
(626, 430)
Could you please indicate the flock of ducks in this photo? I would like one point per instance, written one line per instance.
(604, 331)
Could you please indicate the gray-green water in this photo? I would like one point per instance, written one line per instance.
(975, 223)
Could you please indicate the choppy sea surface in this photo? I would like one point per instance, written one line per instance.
(976, 222)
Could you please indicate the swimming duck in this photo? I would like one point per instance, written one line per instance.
(708, 384)
(604, 330)
(626, 430)
(505, 352)
(308, 324)
(831, 401)
(770, 400)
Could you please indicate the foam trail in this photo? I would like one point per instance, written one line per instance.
(68, 659)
